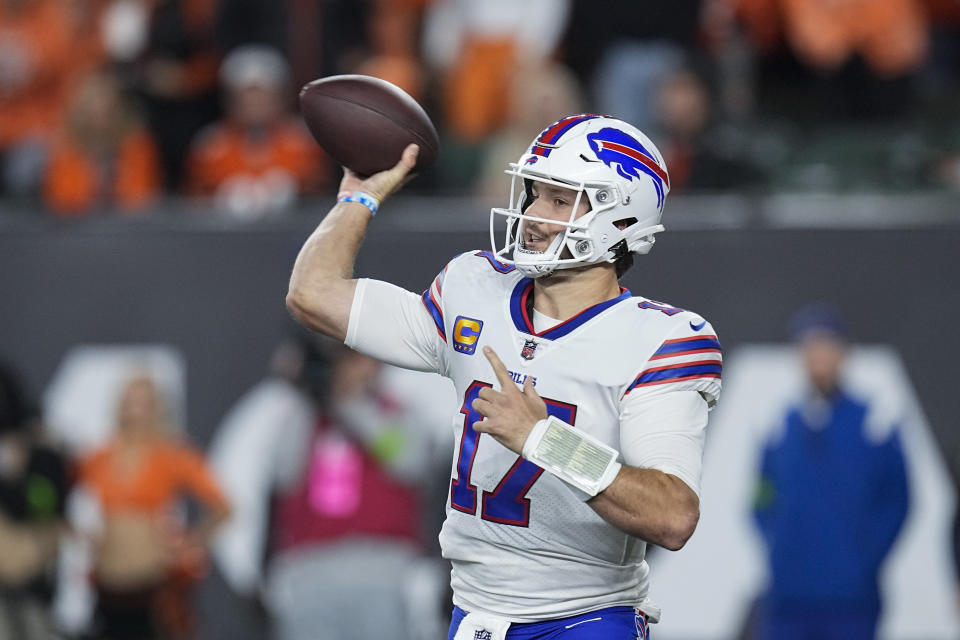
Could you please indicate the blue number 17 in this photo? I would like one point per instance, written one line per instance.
(507, 503)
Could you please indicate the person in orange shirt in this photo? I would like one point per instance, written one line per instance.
(259, 158)
(145, 557)
(104, 156)
(392, 29)
(36, 65)
(892, 36)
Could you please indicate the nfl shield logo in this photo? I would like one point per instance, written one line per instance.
(529, 350)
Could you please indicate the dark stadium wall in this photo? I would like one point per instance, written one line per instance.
(216, 292)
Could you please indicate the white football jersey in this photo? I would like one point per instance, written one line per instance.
(521, 543)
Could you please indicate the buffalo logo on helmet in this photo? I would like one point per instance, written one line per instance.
(614, 147)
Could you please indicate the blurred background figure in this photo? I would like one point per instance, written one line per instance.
(393, 30)
(849, 59)
(33, 488)
(623, 50)
(700, 152)
(473, 48)
(146, 556)
(475, 45)
(104, 157)
(169, 49)
(347, 460)
(247, 457)
(539, 92)
(830, 500)
(36, 66)
(260, 158)
(861, 53)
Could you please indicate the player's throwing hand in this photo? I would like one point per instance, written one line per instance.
(382, 185)
(510, 414)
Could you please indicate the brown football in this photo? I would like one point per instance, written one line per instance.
(364, 123)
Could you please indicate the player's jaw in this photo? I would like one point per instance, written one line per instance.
(537, 238)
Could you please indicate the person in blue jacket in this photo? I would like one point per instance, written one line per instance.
(830, 500)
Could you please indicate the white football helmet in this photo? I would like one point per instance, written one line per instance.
(615, 166)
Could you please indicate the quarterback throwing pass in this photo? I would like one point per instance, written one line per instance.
(580, 434)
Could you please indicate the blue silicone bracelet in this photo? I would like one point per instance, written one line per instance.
(365, 199)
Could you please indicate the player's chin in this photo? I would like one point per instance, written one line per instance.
(535, 244)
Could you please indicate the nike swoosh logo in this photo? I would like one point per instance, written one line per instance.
(571, 626)
(697, 327)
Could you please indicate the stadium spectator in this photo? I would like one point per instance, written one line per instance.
(333, 437)
(695, 146)
(104, 156)
(538, 93)
(36, 49)
(351, 529)
(318, 38)
(145, 556)
(173, 52)
(260, 157)
(849, 59)
(831, 498)
(476, 45)
(247, 458)
(622, 60)
(33, 487)
(393, 27)
(890, 35)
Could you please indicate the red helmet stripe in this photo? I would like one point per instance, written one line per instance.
(553, 132)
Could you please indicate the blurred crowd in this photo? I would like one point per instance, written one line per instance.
(110, 106)
(101, 534)
(312, 498)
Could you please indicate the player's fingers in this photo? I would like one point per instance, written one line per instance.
(409, 156)
(489, 394)
(480, 426)
(499, 370)
(528, 389)
(408, 159)
(533, 398)
(531, 392)
(483, 407)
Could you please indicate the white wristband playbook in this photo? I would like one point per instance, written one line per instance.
(576, 457)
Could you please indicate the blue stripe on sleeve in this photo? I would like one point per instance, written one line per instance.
(435, 312)
(679, 373)
(688, 345)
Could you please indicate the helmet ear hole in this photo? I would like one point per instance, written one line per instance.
(623, 223)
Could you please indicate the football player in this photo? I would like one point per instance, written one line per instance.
(581, 429)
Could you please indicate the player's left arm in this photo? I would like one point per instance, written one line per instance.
(648, 503)
(655, 496)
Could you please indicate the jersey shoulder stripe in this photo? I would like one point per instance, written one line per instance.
(689, 356)
(498, 266)
(687, 346)
(433, 307)
(675, 372)
(433, 298)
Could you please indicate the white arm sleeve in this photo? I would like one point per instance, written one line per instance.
(665, 431)
(392, 325)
